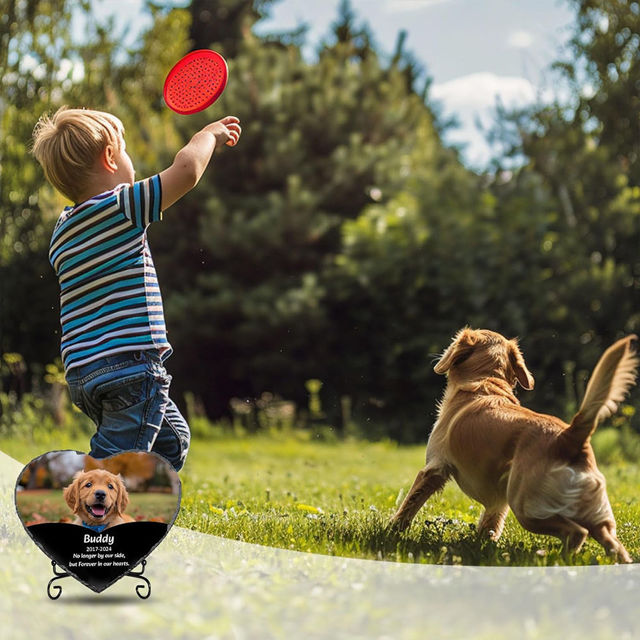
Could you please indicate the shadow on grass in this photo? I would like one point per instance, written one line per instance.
(447, 541)
(101, 600)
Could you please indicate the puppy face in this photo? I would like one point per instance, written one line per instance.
(476, 354)
(97, 496)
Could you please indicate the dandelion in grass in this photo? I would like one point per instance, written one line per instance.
(308, 508)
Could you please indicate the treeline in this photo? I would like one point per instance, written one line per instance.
(341, 240)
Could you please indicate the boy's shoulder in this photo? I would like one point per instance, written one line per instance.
(139, 202)
(64, 216)
(70, 211)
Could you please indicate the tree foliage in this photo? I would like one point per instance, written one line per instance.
(582, 155)
(34, 38)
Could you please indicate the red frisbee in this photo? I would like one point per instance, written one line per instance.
(196, 81)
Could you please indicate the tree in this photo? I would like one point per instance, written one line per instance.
(582, 175)
(33, 41)
(42, 67)
(225, 22)
(604, 74)
(321, 140)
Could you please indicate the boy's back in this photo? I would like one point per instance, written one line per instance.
(110, 300)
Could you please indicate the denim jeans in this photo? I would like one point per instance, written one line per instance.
(127, 396)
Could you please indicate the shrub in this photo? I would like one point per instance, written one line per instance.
(616, 445)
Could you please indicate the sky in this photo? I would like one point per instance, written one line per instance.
(475, 51)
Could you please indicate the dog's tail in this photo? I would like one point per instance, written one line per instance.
(612, 378)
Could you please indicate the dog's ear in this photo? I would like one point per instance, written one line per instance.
(461, 346)
(72, 493)
(523, 375)
(123, 497)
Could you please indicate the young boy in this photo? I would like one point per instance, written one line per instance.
(114, 341)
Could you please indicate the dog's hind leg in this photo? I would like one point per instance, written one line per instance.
(427, 482)
(571, 533)
(605, 534)
(491, 521)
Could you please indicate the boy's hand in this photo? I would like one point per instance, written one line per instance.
(191, 161)
(226, 131)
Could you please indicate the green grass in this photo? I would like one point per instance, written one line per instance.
(337, 498)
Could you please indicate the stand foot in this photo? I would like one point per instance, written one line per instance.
(54, 591)
(142, 590)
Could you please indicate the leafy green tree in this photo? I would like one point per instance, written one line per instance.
(34, 39)
(604, 73)
(413, 270)
(582, 164)
(224, 22)
(340, 241)
(43, 67)
(243, 268)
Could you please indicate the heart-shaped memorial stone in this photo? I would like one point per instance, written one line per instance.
(98, 518)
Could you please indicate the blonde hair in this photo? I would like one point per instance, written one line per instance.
(68, 144)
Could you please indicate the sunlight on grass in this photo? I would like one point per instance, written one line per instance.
(337, 499)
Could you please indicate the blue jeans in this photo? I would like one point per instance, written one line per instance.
(127, 396)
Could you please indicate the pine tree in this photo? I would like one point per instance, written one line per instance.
(320, 140)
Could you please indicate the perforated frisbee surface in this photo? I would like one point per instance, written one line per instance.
(196, 81)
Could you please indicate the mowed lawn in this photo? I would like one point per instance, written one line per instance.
(337, 498)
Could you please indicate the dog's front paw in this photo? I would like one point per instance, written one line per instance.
(621, 555)
(397, 525)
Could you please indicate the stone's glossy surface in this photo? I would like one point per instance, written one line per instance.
(97, 519)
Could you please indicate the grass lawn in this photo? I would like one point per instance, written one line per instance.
(336, 498)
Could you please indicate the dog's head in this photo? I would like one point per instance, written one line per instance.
(479, 353)
(97, 496)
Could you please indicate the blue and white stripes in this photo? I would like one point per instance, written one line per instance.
(110, 300)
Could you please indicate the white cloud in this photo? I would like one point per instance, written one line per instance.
(480, 90)
(474, 97)
(411, 5)
(520, 39)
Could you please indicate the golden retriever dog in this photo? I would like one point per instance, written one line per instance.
(506, 456)
(98, 498)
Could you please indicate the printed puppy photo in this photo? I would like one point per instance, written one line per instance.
(98, 497)
(74, 488)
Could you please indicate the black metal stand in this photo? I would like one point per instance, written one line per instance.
(58, 576)
(142, 590)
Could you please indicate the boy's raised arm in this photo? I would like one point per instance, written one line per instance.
(191, 161)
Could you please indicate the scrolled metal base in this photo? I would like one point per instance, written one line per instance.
(54, 591)
(142, 590)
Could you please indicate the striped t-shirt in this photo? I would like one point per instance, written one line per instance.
(110, 300)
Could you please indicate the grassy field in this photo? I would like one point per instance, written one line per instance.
(336, 498)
